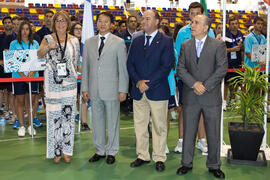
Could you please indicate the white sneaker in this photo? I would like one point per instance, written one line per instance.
(30, 131)
(21, 131)
(178, 148)
(173, 114)
(6, 115)
(167, 150)
(202, 145)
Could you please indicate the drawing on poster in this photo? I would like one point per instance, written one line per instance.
(258, 53)
(22, 61)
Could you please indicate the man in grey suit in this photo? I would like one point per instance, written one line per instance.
(105, 83)
(202, 66)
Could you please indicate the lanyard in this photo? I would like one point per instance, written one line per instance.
(59, 44)
(23, 47)
(234, 40)
(258, 39)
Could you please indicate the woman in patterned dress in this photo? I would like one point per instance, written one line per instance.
(62, 52)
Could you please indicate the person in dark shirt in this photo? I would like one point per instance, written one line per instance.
(6, 88)
(46, 28)
(131, 29)
(234, 42)
(35, 36)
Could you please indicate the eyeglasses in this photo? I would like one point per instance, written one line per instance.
(61, 21)
(78, 29)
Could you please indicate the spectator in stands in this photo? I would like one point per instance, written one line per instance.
(122, 27)
(166, 22)
(105, 82)
(218, 31)
(76, 30)
(47, 25)
(62, 52)
(5, 88)
(184, 34)
(24, 41)
(35, 36)
(234, 42)
(149, 63)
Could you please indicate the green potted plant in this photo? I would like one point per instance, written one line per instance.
(246, 136)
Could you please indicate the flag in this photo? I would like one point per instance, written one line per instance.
(267, 1)
(88, 24)
(204, 4)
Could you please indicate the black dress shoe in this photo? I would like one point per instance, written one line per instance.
(110, 159)
(183, 170)
(85, 127)
(160, 166)
(138, 162)
(217, 173)
(95, 158)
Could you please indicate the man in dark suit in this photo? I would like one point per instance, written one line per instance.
(149, 62)
(202, 65)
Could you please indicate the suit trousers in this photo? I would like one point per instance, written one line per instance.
(158, 110)
(191, 117)
(105, 112)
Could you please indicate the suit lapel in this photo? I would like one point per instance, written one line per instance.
(204, 49)
(154, 44)
(95, 46)
(193, 52)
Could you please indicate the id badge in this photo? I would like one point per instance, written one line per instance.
(233, 55)
(61, 69)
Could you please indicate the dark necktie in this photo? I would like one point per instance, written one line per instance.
(147, 41)
(101, 45)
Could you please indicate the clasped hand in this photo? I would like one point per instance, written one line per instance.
(142, 85)
(199, 88)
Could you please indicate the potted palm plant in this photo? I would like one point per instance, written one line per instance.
(246, 136)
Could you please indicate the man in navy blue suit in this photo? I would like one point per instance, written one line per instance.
(149, 62)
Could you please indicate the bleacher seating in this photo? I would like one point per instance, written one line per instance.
(35, 12)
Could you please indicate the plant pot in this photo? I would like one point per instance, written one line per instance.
(245, 144)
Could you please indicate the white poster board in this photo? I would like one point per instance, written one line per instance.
(258, 53)
(22, 61)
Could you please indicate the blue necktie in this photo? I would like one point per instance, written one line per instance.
(147, 41)
(199, 48)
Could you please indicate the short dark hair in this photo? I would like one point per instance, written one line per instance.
(48, 12)
(6, 18)
(165, 29)
(30, 36)
(106, 14)
(131, 17)
(15, 18)
(232, 18)
(74, 18)
(257, 18)
(196, 5)
(167, 20)
(121, 22)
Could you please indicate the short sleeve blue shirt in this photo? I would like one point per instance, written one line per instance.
(250, 40)
(15, 45)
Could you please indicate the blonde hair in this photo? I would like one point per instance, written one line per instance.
(64, 15)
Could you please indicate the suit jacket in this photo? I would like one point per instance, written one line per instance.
(153, 64)
(107, 75)
(209, 69)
